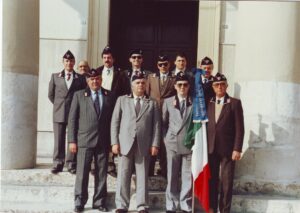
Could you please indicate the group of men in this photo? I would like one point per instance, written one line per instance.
(142, 116)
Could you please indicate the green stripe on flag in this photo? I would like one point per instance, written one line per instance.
(189, 138)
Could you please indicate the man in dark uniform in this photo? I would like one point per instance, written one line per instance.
(207, 79)
(90, 114)
(225, 134)
(114, 80)
(136, 61)
(61, 89)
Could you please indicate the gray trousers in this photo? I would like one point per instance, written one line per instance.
(85, 156)
(59, 151)
(176, 194)
(125, 169)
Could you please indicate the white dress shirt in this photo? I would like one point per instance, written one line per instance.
(68, 82)
(107, 77)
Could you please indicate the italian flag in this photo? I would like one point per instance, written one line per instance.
(196, 139)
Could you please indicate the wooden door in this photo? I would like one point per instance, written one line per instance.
(154, 26)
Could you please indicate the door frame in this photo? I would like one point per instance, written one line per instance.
(208, 30)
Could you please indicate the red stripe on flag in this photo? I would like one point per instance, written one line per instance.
(201, 188)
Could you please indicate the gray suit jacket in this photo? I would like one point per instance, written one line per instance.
(85, 128)
(61, 96)
(175, 126)
(125, 126)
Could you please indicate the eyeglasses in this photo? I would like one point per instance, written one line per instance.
(182, 84)
(136, 57)
(163, 64)
(220, 84)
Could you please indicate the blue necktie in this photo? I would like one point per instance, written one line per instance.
(97, 104)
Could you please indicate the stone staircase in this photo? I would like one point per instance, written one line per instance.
(37, 190)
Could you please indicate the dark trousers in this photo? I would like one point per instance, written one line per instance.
(222, 173)
(162, 155)
(84, 160)
(59, 151)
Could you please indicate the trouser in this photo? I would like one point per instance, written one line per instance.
(59, 151)
(85, 157)
(222, 172)
(125, 170)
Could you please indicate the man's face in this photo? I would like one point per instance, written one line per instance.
(163, 66)
(208, 69)
(95, 83)
(220, 88)
(138, 87)
(136, 60)
(180, 63)
(83, 67)
(182, 88)
(68, 64)
(108, 60)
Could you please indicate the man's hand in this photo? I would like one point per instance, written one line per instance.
(115, 149)
(73, 147)
(236, 155)
(154, 150)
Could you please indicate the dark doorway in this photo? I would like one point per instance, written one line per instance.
(157, 26)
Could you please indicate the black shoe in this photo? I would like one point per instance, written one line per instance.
(168, 211)
(121, 211)
(186, 211)
(143, 211)
(56, 169)
(101, 208)
(78, 208)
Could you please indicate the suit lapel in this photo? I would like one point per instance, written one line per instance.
(74, 82)
(61, 80)
(212, 112)
(225, 109)
(144, 108)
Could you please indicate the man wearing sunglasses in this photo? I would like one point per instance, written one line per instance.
(207, 79)
(225, 134)
(175, 113)
(136, 61)
(160, 86)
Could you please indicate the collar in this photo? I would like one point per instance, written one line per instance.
(99, 92)
(226, 99)
(177, 71)
(131, 95)
(176, 101)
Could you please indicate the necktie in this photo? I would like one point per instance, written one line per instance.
(97, 104)
(108, 72)
(205, 80)
(137, 106)
(163, 79)
(68, 76)
(182, 107)
(218, 101)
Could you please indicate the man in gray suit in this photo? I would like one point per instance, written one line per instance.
(88, 135)
(61, 90)
(176, 111)
(135, 134)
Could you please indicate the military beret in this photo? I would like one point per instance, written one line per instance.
(163, 58)
(136, 51)
(107, 50)
(93, 73)
(139, 75)
(219, 77)
(206, 61)
(69, 55)
(181, 77)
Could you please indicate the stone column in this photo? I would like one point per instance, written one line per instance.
(266, 78)
(19, 83)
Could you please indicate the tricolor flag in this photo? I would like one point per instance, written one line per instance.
(196, 139)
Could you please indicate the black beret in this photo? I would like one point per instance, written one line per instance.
(139, 75)
(206, 61)
(93, 73)
(181, 77)
(69, 55)
(219, 77)
(163, 58)
(136, 51)
(107, 50)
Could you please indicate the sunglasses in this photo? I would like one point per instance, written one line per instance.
(182, 84)
(221, 84)
(136, 57)
(163, 64)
